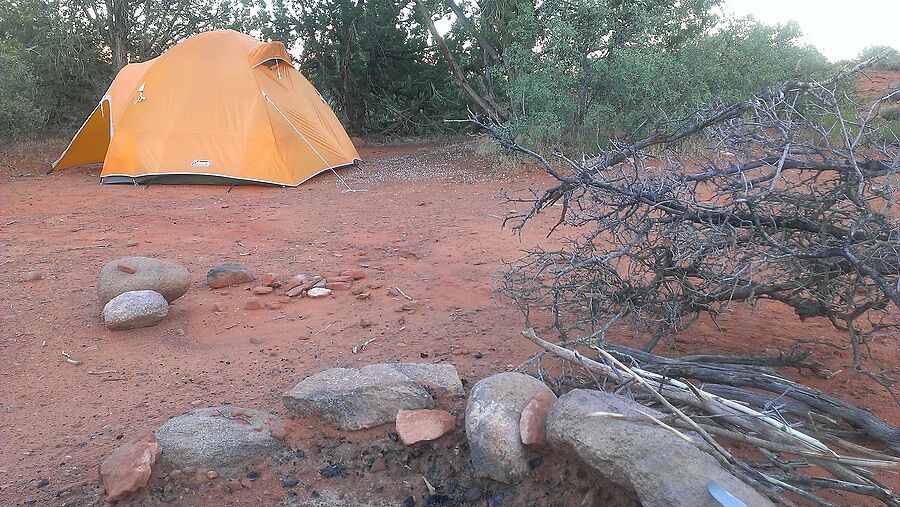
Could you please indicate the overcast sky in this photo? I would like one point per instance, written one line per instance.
(840, 29)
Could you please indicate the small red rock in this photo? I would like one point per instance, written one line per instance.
(128, 468)
(378, 465)
(126, 268)
(423, 425)
(375, 285)
(245, 482)
(233, 484)
(354, 274)
(131, 242)
(270, 280)
(341, 279)
(253, 304)
(296, 280)
(338, 285)
(533, 421)
(277, 429)
(365, 323)
(262, 289)
(295, 291)
(357, 290)
(211, 474)
(273, 305)
(216, 307)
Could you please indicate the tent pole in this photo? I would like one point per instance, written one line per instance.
(330, 167)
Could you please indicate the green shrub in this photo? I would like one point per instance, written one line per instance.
(21, 109)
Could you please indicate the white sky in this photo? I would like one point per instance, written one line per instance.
(839, 29)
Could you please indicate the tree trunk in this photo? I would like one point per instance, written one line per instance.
(458, 75)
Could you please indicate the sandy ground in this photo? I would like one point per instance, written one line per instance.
(428, 223)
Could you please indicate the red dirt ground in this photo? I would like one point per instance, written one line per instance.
(427, 223)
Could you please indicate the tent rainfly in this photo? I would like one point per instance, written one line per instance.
(219, 108)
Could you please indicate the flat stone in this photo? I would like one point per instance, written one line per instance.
(423, 425)
(128, 468)
(533, 422)
(660, 467)
(338, 285)
(354, 273)
(296, 280)
(318, 292)
(135, 309)
(167, 278)
(262, 289)
(492, 425)
(357, 398)
(253, 303)
(227, 274)
(222, 437)
(295, 291)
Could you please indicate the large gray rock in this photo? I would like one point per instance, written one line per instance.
(142, 273)
(227, 274)
(357, 398)
(663, 469)
(492, 425)
(134, 309)
(217, 437)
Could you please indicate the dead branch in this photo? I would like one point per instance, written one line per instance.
(739, 423)
(791, 200)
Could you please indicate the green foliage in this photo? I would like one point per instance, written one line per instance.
(20, 109)
(578, 81)
(67, 68)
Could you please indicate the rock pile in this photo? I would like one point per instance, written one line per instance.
(509, 420)
(126, 288)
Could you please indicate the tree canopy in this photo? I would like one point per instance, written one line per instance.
(391, 67)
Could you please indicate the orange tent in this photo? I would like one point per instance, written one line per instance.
(219, 107)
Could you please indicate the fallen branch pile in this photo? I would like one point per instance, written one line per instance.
(794, 428)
